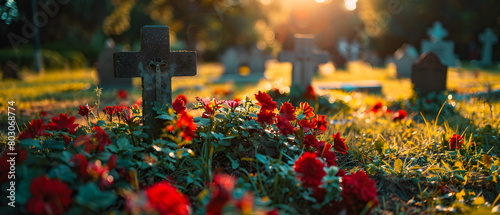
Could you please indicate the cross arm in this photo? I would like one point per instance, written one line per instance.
(185, 62)
(125, 64)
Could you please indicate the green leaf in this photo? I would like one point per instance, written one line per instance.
(380, 145)
(54, 144)
(62, 172)
(137, 132)
(91, 197)
(261, 158)
(123, 143)
(31, 143)
(165, 117)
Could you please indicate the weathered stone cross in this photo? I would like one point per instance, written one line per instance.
(156, 65)
(305, 59)
(437, 32)
(488, 38)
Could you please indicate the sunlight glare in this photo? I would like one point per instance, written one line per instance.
(350, 4)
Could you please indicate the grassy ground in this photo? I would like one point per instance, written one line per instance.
(409, 160)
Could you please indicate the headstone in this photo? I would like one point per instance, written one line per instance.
(10, 70)
(404, 57)
(443, 49)
(366, 86)
(429, 74)
(156, 65)
(105, 68)
(305, 59)
(236, 58)
(231, 60)
(354, 50)
(488, 39)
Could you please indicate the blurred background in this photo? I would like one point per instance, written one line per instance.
(72, 33)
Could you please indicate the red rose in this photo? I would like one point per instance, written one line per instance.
(84, 110)
(63, 123)
(48, 196)
(321, 123)
(456, 141)
(284, 126)
(265, 101)
(179, 105)
(309, 170)
(288, 111)
(377, 107)
(101, 137)
(36, 128)
(122, 94)
(325, 153)
(339, 143)
(401, 114)
(167, 200)
(310, 141)
(266, 116)
(81, 164)
(221, 193)
(358, 190)
(310, 93)
(187, 126)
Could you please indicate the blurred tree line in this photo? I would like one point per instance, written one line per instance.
(210, 26)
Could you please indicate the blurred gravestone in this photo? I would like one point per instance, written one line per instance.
(105, 68)
(10, 70)
(429, 74)
(156, 65)
(354, 50)
(241, 65)
(404, 57)
(305, 59)
(443, 49)
(488, 38)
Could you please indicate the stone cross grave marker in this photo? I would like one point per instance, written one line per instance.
(443, 49)
(488, 38)
(156, 65)
(305, 59)
(404, 57)
(428, 74)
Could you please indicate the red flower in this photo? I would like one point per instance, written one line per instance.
(339, 143)
(456, 141)
(183, 98)
(109, 110)
(63, 123)
(112, 161)
(265, 101)
(311, 141)
(87, 142)
(179, 105)
(401, 114)
(308, 125)
(322, 124)
(81, 163)
(187, 126)
(232, 103)
(266, 116)
(221, 193)
(36, 128)
(309, 169)
(122, 94)
(209, 106)
(84, 110)
(377, 107)
(288, 111)
(48, 196)
(327, 154)
(167, 200)
(307, 110)
(101, 137)
(285, 126)
(310, 93)
(357, 191)
(7, 160)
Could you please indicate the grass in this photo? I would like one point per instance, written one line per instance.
(408, 159)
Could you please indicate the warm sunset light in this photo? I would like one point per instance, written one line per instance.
(350, 4)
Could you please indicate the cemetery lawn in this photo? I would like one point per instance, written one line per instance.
(414, 160)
